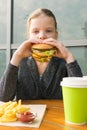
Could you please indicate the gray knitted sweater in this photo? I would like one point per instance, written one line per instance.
(25, 83)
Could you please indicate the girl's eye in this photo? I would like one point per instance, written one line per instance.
(49, 31)
(35, 31)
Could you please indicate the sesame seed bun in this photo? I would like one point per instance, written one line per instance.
(42, 46)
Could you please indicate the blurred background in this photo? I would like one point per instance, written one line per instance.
(72, 26)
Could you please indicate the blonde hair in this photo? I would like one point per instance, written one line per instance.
(37, 13)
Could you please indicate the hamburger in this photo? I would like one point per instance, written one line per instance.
(43, 52)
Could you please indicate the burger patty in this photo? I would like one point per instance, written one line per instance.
(41, 58)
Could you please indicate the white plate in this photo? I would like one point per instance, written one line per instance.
(38, 109)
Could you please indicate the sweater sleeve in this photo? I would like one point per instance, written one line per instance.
(74, 69)
(8, 83)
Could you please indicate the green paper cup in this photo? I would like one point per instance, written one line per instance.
(75, 99)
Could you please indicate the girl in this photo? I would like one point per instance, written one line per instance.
(27, 78)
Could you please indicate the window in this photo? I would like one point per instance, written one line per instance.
(71, 17)
(3, 34)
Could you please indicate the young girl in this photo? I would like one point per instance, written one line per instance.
(27, 78)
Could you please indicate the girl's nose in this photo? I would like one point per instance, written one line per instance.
(42, 36)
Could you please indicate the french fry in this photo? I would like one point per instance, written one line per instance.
(3, 106)
(21, 109)
(19, 102)
(10, 109)
(5, 119)
(11, 106)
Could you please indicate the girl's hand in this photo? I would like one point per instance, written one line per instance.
(24, 50)
(62, 51)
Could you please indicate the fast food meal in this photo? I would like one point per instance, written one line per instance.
(9, 111)
(43, 52)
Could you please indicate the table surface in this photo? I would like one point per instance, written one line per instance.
(53, 118)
